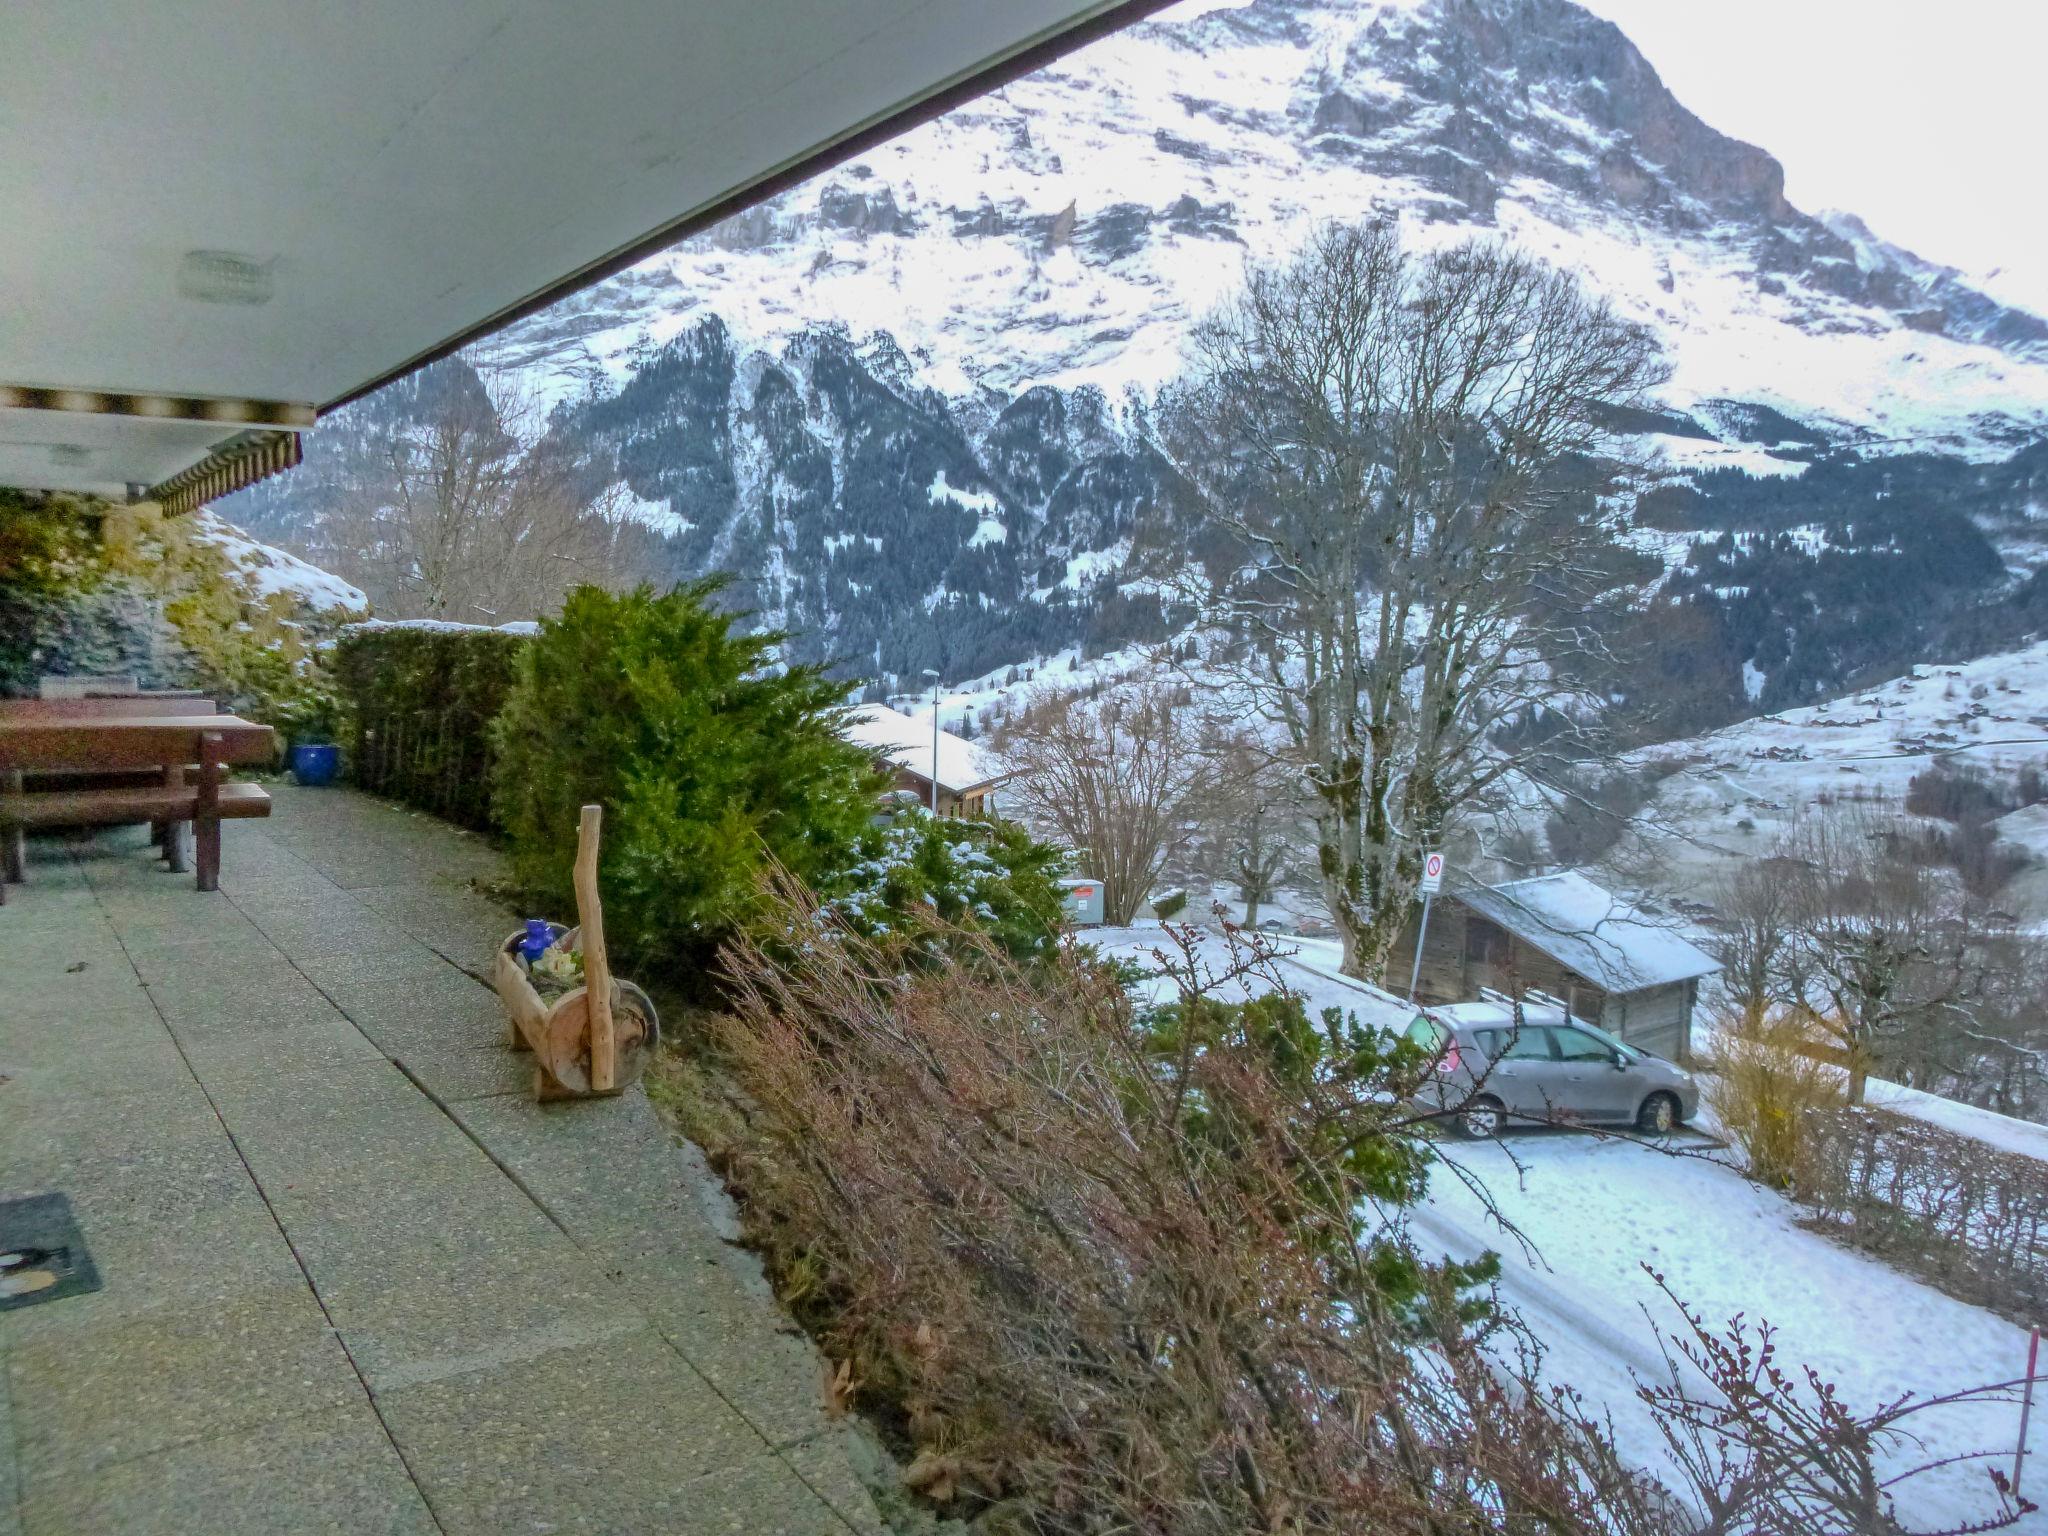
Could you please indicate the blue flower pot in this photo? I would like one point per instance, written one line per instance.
(314, 766)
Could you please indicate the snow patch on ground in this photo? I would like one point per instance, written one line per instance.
(968, 501)
(267, 571)
(1596, 1210)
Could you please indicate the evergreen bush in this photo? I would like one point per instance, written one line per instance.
(710, 762)
(988, 876)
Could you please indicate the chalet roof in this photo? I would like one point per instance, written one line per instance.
(1590, 930)
(906, 741)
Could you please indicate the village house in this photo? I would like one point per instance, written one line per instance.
(903, 745)
(1605, 961)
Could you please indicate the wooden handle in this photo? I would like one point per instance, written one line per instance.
(597, 970)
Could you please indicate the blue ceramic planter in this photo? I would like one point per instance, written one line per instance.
(315, 765)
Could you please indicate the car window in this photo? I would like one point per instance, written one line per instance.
(1577, 1045)
(1529, 1043)
(1430, 1036)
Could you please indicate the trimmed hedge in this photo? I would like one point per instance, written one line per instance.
(420, 703)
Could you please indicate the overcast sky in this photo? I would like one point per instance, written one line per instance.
(1928, 118)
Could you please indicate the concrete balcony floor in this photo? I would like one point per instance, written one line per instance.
(354, 1278)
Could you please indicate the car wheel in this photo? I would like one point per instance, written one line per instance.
(1658, 1116)
(1481, 1119)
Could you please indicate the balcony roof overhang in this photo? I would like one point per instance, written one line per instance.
(224, 222)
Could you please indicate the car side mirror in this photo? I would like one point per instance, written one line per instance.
(1620, 1062)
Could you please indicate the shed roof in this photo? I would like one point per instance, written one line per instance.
(1590, 930)
(906, 741)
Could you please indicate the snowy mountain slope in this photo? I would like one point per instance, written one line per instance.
(1738, 789)
(264, 572)
(905, 405)
(1066, 230)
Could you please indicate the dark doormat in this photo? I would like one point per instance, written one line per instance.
(42, 1254)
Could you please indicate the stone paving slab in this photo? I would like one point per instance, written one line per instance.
(171, 1377)
(344, 1294)
(345, 1477)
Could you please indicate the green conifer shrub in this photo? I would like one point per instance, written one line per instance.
(988, 876)
(710, 764)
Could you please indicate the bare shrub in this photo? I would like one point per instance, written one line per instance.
(1968, 1217)
(1766, 1088)
(1104, 1281)
(1766, 1448)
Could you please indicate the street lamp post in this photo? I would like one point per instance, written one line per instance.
(928, 672)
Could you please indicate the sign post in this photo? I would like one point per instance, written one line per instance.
(1432, 882)
(2019, 1458)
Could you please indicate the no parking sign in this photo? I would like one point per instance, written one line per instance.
(1432, 873)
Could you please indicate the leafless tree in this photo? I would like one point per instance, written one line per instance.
(1399, 446)
(1121, 779)
(1753, 938)
(1884, 937)
(469, 512)
(1253, 822)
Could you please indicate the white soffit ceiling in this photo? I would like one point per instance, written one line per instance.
(292, 202)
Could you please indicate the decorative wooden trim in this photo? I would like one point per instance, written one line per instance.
(99, 402)
(238, 465)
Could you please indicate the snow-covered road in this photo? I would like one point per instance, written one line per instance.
(1596, 1210)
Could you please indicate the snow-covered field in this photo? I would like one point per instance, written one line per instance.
(1595, 1210)
(1741, 787)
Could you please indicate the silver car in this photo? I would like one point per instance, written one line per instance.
(1547, 1068)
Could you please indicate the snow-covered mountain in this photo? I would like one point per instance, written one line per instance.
(1065, 230)
(905, 403)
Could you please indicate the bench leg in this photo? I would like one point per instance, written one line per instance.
(13, 843)
(206, 837)
(173, 841)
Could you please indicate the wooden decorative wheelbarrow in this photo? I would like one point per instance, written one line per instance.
(591, 1040)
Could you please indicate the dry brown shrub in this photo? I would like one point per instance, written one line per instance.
(1766, 1087)
(1082, 1314)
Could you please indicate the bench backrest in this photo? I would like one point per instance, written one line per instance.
(75, 746)
(123, 706)
(80, 687)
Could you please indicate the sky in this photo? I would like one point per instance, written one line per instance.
(1925, 119)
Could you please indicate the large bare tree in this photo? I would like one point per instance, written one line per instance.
(467, 511)
(1885, 939)
(1401, 446)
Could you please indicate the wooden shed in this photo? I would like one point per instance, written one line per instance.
(1606, 961)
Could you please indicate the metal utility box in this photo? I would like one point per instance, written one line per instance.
(1083, 902)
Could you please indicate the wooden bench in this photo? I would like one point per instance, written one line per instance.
(107, 706)
(167, 744)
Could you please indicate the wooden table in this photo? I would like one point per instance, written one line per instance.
(169, 744)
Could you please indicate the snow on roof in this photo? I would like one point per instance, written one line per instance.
(1487, 1014)
(906, 741)
(1591, 931)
